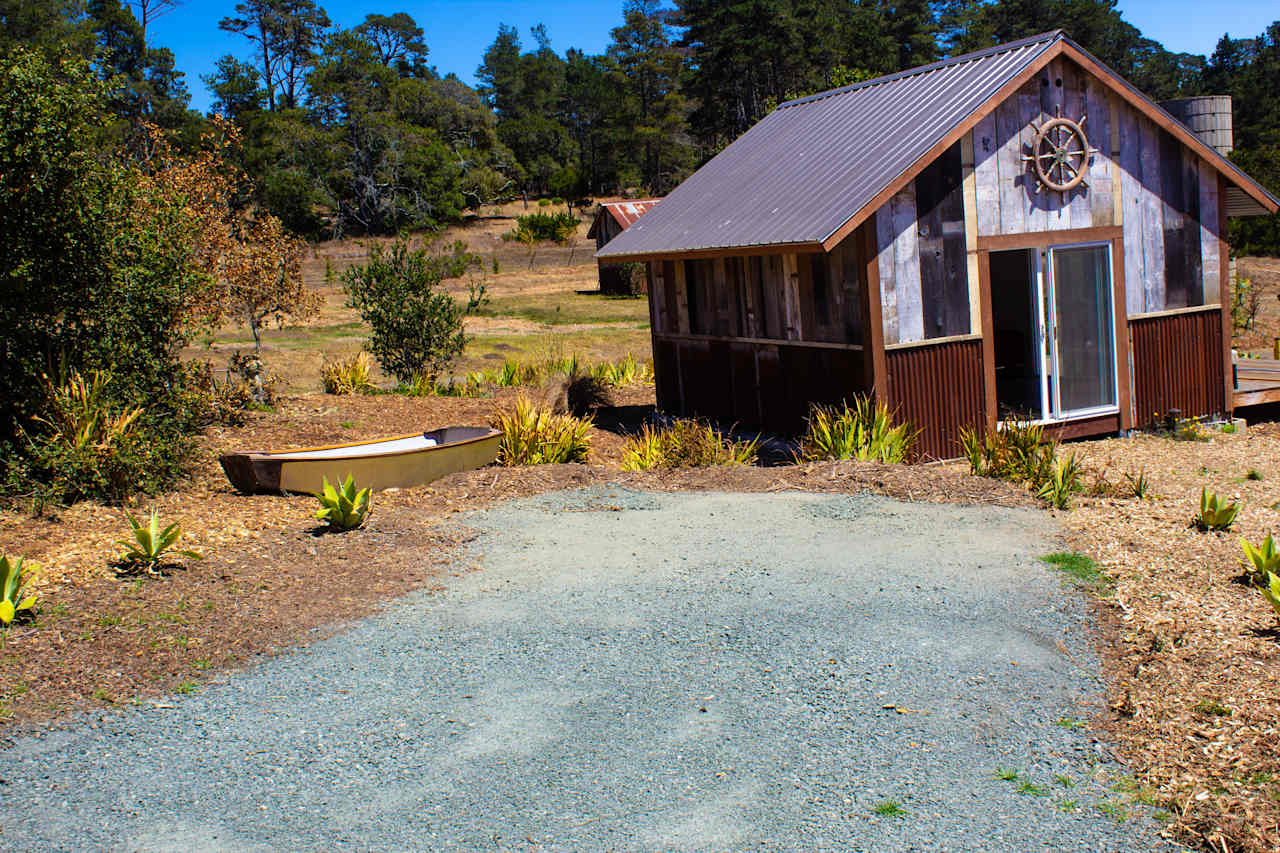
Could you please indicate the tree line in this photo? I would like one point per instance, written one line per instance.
(353, 131)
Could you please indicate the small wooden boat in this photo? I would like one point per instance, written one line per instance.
(406, 460)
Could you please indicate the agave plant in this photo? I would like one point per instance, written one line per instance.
(344, 508)
(1139, 484)
(1215, 513)
(15, 578)
(1271, 592)
(1265, 560)
(150, 545)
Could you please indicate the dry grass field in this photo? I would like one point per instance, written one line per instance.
(541, 303)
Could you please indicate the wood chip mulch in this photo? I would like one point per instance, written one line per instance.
(1193, 659)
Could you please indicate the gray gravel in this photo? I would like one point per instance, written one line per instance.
(633, 671)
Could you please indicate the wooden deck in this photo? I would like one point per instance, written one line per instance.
(1257, 381)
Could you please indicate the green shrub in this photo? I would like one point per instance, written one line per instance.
(344, 508)
(539, 227)
(98, 272)
(685, 443)
(88, 444)
(867, 432)
(534, 435)
(544, 202)
(417, 327)
(15, 578)
(150, 545)
(347, 376)
(1264, 560)
(624, 372)
(1215, 513)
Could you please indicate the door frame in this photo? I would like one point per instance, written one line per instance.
(1042, 241)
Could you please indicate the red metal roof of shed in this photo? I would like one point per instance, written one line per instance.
(623, 212)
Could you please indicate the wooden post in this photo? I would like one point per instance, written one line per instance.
(1123, 365)
(1117, 195)
(873, 352)
(988, 340)
(1225, 296)
(791, 296)
(970, 192)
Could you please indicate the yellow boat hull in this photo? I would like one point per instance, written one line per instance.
(456, 449)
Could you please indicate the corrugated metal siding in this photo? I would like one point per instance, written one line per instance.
(938, 389)
(1177, 364)
(803, 170)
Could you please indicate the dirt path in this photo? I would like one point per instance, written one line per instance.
(637, 671)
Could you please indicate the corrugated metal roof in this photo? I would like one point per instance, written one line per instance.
(623, 212)
(627, 212)
(804, 169)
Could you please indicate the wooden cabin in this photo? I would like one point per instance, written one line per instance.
(612, 219)
(1013, 232)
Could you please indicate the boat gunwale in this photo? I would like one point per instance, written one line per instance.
(274, 455)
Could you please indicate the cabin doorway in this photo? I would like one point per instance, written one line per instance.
(1053, 327)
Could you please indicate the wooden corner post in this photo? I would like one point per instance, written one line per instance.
(875, 359)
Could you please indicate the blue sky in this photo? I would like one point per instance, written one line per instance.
(458, 32)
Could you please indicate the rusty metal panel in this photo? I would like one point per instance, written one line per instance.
(1177, 364)
(938, 389)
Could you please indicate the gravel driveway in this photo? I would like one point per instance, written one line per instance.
(634, 671)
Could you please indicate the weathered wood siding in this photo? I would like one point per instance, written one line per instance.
(920, 237)
(1163, 194)
(754, 340)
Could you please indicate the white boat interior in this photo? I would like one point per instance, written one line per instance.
(372, 448)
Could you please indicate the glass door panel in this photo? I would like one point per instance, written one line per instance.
(1082, 329)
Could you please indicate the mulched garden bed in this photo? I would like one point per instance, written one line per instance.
(1185, 641)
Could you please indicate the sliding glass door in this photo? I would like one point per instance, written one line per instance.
(1084, 362)
(1053, 326)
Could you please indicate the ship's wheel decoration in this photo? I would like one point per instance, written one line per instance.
(1060, 154)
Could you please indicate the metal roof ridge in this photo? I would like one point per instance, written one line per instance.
(1047, 37)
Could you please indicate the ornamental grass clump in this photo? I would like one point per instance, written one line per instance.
(536, 435)
(1215, 512)
(1062, 483)
(15, 579)
(344, 508)
(1018, 452)
(866, 432)
(347, 376)
(685, 443)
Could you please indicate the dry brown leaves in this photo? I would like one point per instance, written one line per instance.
(1195, 664)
